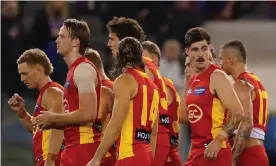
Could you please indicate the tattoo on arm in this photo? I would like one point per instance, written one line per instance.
(232, 124)
(241, 139)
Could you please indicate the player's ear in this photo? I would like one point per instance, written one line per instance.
(75, 42)
(230, 60)
(40, 69)
(155, 60)
(187, 51)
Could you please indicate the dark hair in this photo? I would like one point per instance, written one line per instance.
(197, 34)
(213, 52)
(78, 30)
(94, 57)
(129, 54)
(152, 48)
(126, 27)
(238, 45)
(36, 56)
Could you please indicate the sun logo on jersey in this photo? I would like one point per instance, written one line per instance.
(195, 113)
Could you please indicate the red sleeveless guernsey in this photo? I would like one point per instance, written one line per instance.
(141, 116)
(109, 84)
(79, 134)
(41, 137)
(260, 102)
(174, 110)
(164, 120)
(206, 112)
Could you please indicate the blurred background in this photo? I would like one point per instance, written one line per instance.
(33, 24)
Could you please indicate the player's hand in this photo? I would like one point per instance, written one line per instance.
(33, 120)
(44, 118)
(211, 151)
(16, 103)
(94, 162)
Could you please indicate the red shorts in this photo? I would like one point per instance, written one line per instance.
(162, 149)
(78, 155)
(161, 155)
(196, 158)
(174, 158)
(142, 157)
(253, 156)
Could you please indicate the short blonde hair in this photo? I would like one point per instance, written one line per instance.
(34, 57)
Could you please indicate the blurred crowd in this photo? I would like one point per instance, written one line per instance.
(36, 24)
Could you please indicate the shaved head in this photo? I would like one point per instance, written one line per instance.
(235, 48)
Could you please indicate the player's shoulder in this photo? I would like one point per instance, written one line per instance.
(125, 80)
(53, 91)
(84, 71)
(84, 67)
(218, 74)
(106, 90)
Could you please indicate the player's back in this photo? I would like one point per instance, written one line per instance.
(164, 120)
(174, 110)
(254, 153)
(260, 103)
(41, 137)
(143, 111)
(85, 133)
(206, 112)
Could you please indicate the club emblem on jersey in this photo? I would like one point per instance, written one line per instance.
(195, 113)
(189, 91)
(67, 84)
(199, 91)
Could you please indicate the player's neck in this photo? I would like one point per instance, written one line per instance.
(43, 82)
(240, 68)
(103, 76)
(202, 70)
(71, 58)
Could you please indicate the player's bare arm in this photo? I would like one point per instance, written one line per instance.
(183, 115)
(119, 113)
(221, 86)
(106, 105)
(52, 100)
(243, 90)
(224, 89)
(153, 136)
(16, 103)
(85, 79)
